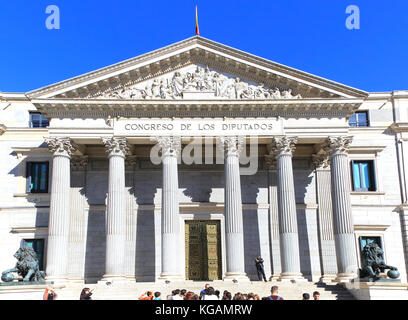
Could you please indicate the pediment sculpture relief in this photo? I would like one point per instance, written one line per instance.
(201, 80)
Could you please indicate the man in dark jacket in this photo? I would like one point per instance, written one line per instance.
(260, 268)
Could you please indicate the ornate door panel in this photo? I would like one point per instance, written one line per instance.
(203, 250)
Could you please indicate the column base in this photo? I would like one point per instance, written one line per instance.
(76, 280)
(57, 280)
(236, 277)
(328, 278)
(274, 277)
(291, 277)
(345, 277)
(110, 279)
(166, 278)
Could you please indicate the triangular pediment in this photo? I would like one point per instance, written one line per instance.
(196, 68)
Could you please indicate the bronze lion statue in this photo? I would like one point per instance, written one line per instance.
(373, 263)
(27, 265)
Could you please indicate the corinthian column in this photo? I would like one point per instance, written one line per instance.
(233, 209)
(343, 227)
(78, 219)
(58, 226)
(288, 231)
(117, 148)
(170, 220)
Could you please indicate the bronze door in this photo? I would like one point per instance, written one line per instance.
(203, 250)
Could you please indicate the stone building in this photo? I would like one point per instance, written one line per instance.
(189, 161)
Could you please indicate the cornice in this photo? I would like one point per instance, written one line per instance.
(193, 108)
(399, 127)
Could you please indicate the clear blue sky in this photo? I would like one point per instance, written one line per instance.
(309, 35)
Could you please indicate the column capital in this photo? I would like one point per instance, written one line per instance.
(321, 161)
(116, 146)
(271, 162)
(130, 161)
(232, 145)
(338, 145)
(283, 145)
(171, 146)
(61, 146)
(79, 163)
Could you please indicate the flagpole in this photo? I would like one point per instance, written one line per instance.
(197, 28)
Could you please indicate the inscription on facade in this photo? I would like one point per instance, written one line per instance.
(198, 127)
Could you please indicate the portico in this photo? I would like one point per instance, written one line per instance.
(198, 131)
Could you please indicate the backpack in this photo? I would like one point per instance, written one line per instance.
(270, 298)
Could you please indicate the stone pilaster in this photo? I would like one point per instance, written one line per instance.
(117, 148)
(342, 213)
(78, 219)
(271, 166)
(59, 218)
(234, 227)
(288, 231)
(170, 219)
(325, 217)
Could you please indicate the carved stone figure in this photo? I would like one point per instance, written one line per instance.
(373, 262)
(200, 80)
(27, 266)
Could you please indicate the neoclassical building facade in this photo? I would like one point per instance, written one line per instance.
(187, 162)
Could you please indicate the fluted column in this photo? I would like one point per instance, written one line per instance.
(131, 218)
(342, 215)
(325, 217)
(271, 165)
(78, 219)
(59, 217)
(234, 226)
(117, 148)
(288, 230)
(170, 220)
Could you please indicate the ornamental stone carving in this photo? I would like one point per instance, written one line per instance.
(201, 80)
(171, 146)
(116, 146)
(232, 146)
(130, 161)
(79, 163)
(283, 145)
(321, 161)
(61, 146)
(339, 145)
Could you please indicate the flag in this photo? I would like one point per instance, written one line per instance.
(197, 29)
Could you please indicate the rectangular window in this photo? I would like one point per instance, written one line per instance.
(366, 240)
(37, 120)
(38, 246)
(359, 119)
(363, 175)
(37, 177)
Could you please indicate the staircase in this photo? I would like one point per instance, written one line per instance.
(132, 291)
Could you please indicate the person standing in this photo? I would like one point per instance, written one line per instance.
(49, 294)
(203, 292)
(86, 294)
(210, 294)
(148, 295)
(275, 294)
(260, 268)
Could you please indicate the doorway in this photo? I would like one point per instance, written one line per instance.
(203, 250)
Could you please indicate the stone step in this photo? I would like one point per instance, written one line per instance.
(132, 291)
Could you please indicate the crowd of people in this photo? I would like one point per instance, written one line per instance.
(209, 293)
